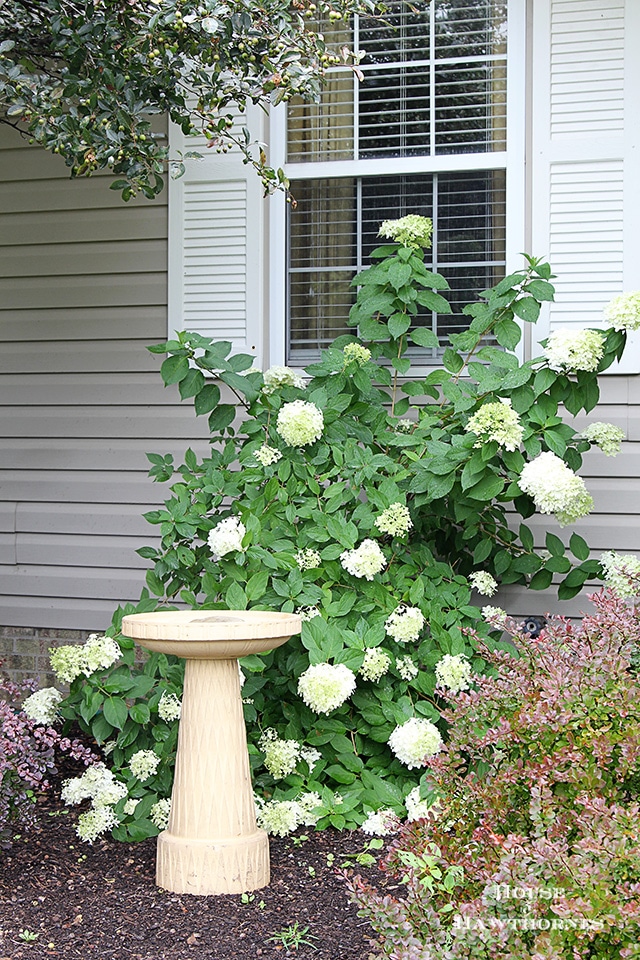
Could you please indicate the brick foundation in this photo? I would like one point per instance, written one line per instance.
(24, 651)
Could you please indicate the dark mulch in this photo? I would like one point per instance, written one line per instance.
(100, 902)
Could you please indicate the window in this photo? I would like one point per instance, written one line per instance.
(424, 131)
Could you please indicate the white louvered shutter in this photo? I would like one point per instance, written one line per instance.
(586, 168)
(216, 248)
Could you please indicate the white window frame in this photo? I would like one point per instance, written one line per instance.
(512, 160)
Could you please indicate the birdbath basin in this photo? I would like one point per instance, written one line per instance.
(212, 844)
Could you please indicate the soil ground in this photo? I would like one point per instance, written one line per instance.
(100, 902)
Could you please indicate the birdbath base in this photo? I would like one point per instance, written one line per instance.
(212, 844)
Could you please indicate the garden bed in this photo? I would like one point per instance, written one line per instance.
(101, 901)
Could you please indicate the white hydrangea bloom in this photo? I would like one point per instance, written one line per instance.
(310, 755)
(621, 573)
(309, 813)
(267, 455)
(169, 706)
(382, 823)
(365, 561)
(96, 783)
(300, 423)
(411, 231)
(159, 813)
(226, 537)
(483, 582)
(395, 520)
(418, 809)
(494, 615)
(325, 686)
(405, 623)
(279, 817)
(454, 672)
(355, 352)
(405, 426)
(42, 706)
(71, 661)
(375, 664)
(100, 653)
(308, 559)
(555, 488)
(496, 421)
(623, 311)
(94, 822)
(67, 662)
(568, 351)
(308, 613)
(280, 756)
(414, 741)
(606, 436)
(406, 668)
(144, 763)
(276, 377)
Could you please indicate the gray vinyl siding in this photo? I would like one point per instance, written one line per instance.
(83, 291)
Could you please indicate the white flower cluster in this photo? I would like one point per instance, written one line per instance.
(418, 809)
(95, 821)
(169, 706)
(159, 813)
(405, 623)
(606, 436)
(42, 706)
(382, 823)
(496, 421)
(406, 668)
(308, 613)
(555, 488)
(568, 351)
(623, 312)
(267, 455)
(356, 353)
(276, 377)
(98, 653)
(494, 615)
(310, 755)
(280, 756)
(325, 686)
(375, 664)
(454, 672)
(365, 561)
(411, 231)
(99, 785)
(621, 573)
(144, 763)
(280, 817)
(226, 537)
(300, 423)
(405, 426)
(96, 783)
(483, 582)
(395, 520)
(414, 741)
(308, 559)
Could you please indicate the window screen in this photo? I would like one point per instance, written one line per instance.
(434, 86)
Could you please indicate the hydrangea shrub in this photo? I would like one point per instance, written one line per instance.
(527, 848)
(375, 503)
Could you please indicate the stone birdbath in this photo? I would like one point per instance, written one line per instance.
(212, 844)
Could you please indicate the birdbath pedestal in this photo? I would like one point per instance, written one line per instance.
(212, 844)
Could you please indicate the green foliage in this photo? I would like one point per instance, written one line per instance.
(384, 442)
(86, 80)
